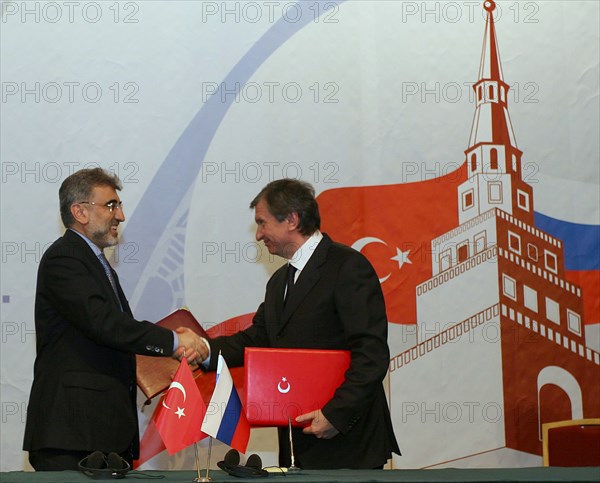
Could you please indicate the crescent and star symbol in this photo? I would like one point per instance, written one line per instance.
(401, 257)
(176, 385)
(280, 387)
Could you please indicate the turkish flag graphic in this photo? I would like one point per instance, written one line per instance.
(393, 226)
(179, 415)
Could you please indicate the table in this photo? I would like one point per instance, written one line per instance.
(451, 475)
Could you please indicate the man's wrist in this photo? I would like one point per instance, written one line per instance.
(175, 340)
(206, 362)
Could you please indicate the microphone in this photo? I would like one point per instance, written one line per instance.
(100, 466)
(252, 469)
(96, 460)
(254, 461)
(293, 468)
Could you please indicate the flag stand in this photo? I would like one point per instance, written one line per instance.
(205, 478)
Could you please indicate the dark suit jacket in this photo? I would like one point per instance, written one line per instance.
(337, 303)
(84, 386)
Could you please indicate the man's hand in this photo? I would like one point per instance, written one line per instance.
(320, 427)
(191, 346)
(190, 354)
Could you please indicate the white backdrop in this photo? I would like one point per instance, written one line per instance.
(337, 93)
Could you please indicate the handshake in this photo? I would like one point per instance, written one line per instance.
(191, 346)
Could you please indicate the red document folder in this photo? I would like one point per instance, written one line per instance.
(282, 383)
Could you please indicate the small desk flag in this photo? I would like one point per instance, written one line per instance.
(225, 418)
(178, 417)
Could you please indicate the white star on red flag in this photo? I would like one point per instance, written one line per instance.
(178, 433)
(401, 257)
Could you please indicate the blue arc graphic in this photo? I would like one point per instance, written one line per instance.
(180, 169)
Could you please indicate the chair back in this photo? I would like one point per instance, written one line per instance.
(573, 442)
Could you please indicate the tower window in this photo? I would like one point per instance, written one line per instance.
(530, 298)
(493, 158)
(494, 192)
(473, 162)
(480, 92)
(468, 200)
(514, 242)
(514, 163)
(463, 252)
(480, 242)
(523, 200)
(552, 311)
(532, 252)
(445, 260)
(551, 261)
(491, 93)
(509, 287)
(574, 322)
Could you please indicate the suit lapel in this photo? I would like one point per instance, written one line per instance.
(307, 279)
(96, 265)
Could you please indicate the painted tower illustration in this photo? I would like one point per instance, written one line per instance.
(485, 374)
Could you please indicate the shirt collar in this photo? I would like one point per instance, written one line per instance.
(97, 251)
(303, 254)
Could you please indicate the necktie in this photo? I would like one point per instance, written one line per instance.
(290, 281)
(109, 274)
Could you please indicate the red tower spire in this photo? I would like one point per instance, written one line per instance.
(491, 123)
(493, 159)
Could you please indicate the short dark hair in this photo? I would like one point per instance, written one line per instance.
(285, 196)
(78, 187)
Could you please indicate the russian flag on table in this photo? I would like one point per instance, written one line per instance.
(225, 419)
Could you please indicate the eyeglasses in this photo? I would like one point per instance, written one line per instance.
(111, 205)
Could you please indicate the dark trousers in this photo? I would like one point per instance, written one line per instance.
(48, 459)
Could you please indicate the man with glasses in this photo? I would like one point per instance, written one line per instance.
(83, 396)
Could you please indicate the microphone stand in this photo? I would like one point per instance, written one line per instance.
(206, 478)
(293, 468)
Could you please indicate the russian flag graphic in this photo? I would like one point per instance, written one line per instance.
(582, 259)
(225, 419)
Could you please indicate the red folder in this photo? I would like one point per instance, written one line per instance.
(282, 383)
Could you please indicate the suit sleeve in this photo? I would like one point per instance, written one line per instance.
(232, 346)
(359, 302)
(76, 292)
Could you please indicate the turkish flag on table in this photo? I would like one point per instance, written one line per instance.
(179, 415)
(393, 226)
(151, 443)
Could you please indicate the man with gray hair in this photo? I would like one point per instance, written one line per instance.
(327, 296)
(83, 396)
